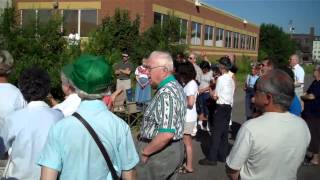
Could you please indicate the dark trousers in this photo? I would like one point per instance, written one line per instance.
(219, 133)
(249, 104)
(314, 127)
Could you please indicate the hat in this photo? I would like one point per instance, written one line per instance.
(226, 62)
(90, 74)
(6, 62)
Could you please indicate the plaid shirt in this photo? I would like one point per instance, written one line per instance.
(166, 112)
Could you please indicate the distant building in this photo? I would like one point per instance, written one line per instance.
(4, 3)
(316, 50)
(206, 29)
(305, 45)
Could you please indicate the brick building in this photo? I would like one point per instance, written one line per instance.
(207, 29)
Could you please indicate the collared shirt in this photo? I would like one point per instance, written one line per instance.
(69, 105)
(71, 150)
(298, 74)
(11, 100)
(26, 132)
(166, 112)
(251, 80)
(225, 89)
(271, 146)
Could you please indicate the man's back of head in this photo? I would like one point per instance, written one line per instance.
(274, 91)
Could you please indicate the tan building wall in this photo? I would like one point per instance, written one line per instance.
(184, 9)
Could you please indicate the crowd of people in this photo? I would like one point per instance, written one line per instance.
(81, 138)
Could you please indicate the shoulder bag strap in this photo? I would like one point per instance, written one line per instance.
(98, 142)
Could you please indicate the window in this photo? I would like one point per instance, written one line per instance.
(242, 41)
(70, 21)
(254, 43)
(248, 42)
(196, 33)
(88, 21)
(208, 35)
(219, 37)
(236, 40)
(227, 41)
(183, 31)
(44, 15)
(28, 17)
(159, 18)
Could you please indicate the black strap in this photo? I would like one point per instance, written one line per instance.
(98, 142)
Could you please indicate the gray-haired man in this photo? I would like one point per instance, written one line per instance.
(273, 145)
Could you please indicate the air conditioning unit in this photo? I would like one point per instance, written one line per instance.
(197, 3)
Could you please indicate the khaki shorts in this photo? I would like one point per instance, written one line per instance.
(188, 127)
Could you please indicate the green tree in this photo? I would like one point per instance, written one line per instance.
(35, 45)
(275, 43)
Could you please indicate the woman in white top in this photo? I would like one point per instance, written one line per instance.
(186, 75)
(143, 88)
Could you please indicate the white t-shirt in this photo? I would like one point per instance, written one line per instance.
(270, 147)
(69, 105)
(191, 89)
(11, 100)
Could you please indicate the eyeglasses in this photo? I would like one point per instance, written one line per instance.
(150, 68)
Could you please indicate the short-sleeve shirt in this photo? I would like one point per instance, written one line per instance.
(123, 66)
(71, 150)
(26, 132)
(205, 79)
(271, 146)
(166, 112)
(191, 89)
(251, 80)
(69, 105)
(225, 89)
(11, 100)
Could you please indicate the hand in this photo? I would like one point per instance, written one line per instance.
(144, 158)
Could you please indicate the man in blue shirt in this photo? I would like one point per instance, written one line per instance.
(70, 150)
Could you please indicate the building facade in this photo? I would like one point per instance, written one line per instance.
(304, 44)
(206, 28)
(316, 50)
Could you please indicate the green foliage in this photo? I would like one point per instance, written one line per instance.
(38, 45)
(164, 38)
(309, 68)
(244, 69)
(275, 43)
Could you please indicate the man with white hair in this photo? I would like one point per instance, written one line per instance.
(70, 150)
(11, 97)
(160, 142)
(298, 74)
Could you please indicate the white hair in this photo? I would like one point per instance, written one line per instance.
(163, 59)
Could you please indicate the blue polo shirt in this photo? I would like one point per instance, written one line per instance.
(71, 150)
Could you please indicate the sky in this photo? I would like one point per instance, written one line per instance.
(302, 13)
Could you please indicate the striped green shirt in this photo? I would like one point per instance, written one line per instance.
(166, 112)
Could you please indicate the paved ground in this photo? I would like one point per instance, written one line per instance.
(218, 172)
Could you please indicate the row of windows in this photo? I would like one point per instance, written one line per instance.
(212, 36)
(82, 21)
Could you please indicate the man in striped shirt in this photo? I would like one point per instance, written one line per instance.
(160, 142)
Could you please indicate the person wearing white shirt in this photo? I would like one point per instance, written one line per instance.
(186, 75)
(72, 100)
(224, 96)
(11, 97)
(273, 145)
(74, 38)
(26, 130)
(298, 74)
